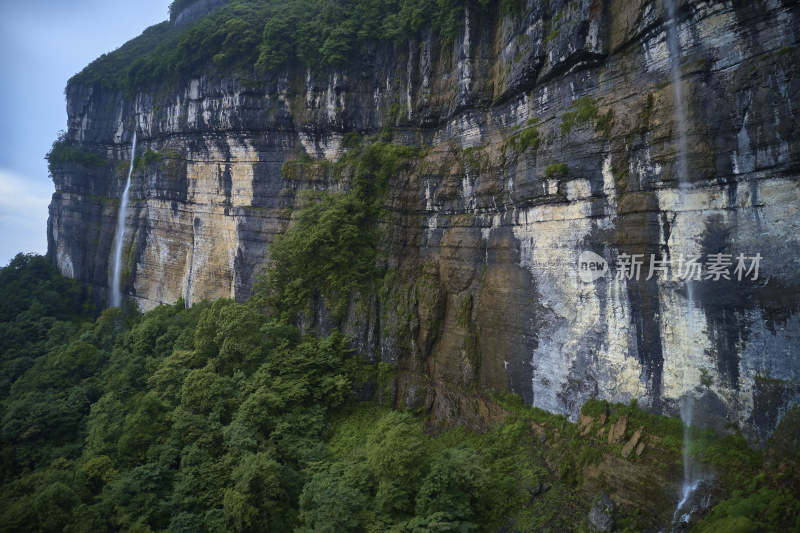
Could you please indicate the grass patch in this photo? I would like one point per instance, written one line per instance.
(523, 139)
(583, 110)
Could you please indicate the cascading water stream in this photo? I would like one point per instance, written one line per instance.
(116, 294)
(690, 480)
(682, 164)
(673, 43)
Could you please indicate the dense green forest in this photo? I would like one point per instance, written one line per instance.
(257, 36)
(223, 417)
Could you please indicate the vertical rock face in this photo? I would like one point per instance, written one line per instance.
(550, 134)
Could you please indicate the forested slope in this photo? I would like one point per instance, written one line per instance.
(222, 417)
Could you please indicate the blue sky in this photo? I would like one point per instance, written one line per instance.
(42, 44)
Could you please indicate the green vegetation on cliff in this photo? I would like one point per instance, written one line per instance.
(267, 35)
(331, 246)
(65, 152)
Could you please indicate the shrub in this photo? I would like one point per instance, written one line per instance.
(556, 170)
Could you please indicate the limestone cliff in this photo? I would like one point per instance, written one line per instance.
(549, 134)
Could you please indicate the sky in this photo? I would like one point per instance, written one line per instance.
(42, 44)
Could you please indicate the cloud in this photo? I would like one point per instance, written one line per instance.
(20, 193)
(23, 214)
(44, 43)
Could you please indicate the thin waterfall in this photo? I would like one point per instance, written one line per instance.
(682, 164)
(673, 43)
(686, 417)
(690, 480)
(116, 293)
